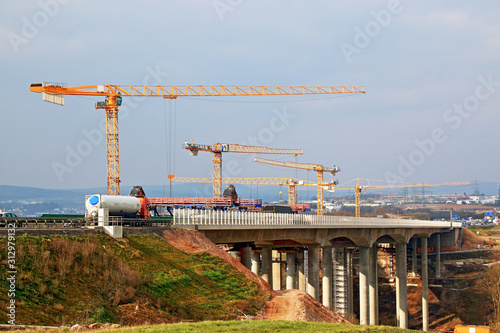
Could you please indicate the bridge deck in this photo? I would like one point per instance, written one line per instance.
(216, 220)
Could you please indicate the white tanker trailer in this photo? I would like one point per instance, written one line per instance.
(118, 205)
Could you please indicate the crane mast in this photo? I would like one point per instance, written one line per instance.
(55, 92)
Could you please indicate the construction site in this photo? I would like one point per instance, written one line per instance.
(288, 254)
(249, 166)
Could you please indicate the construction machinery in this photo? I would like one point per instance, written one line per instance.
(55, 93)
(290, 182)
(358, 189)
(307, 166)
(218, 148)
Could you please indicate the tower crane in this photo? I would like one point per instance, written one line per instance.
(307, 166)
(55, 92)
(290, 182)
(218, 148)
(358, 189)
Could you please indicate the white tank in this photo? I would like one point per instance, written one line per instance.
(118, 205)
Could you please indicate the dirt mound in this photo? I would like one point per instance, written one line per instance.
(298, 306)
(470, 240)
(285, 305)
(192, 241)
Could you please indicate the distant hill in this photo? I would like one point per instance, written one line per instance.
(16, 193)
(54, 200)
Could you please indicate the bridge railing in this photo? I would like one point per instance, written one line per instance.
(235, 218)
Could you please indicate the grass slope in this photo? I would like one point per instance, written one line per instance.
(66, 280)
(261, 326)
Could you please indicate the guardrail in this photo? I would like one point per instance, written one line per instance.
(228, 218)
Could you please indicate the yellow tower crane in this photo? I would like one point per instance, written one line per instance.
(218, 148)
(307, 166)
(55, 92)
(290, 182)
(358, 189)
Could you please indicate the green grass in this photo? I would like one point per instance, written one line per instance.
(66, 280)
(261, 326)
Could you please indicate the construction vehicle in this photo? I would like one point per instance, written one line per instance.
(307, 166)
(218, 148)
(133, 205)
(113, 94)
(358, 189)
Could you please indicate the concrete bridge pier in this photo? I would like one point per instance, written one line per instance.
(256, 263)
(438, 256)
(401, 286)
(414, 257)
(291, 270)
(301, 278)
(364, 265)
(276, 268)
(313, 271)
(425, 286)
(267, 260)
(373, 285)
(246, 257)
(327, 276)
(350, 280)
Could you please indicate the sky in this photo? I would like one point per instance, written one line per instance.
(430, 71)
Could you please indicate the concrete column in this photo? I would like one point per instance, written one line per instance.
(267, 260)
(414, 257)
(364, 264)
(438, 256)
(373, 283)
(401, 273)
(425, 286)
(276, 270)
(327, 276)
(301, 277)
(291, 274)
(313, 271)
(350, 281)
(256, 262)
(246, 257)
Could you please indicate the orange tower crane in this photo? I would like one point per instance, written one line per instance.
(358, 189)
(291, 182)
(218, 148)
(55, 92)
(307, 166)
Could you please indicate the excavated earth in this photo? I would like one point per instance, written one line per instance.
(298, 306)
(292, 305)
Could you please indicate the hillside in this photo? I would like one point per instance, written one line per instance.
(142, 279)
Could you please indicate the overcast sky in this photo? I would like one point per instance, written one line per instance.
(430, 70)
